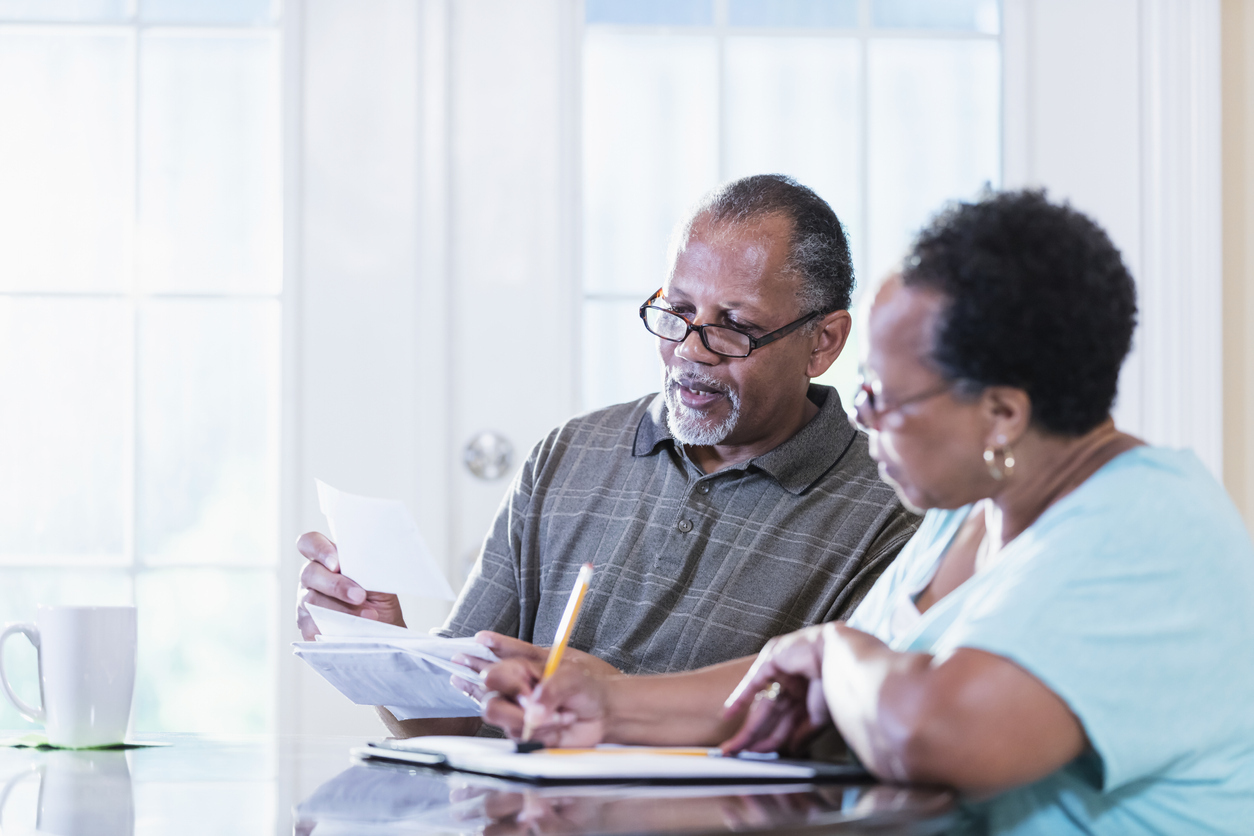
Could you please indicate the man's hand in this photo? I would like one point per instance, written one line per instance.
(508, 647)
(783, 693)
(570, 709)
(322, 584)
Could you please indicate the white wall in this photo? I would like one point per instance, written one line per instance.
(1114, 105)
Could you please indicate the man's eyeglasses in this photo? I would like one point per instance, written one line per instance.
(724, 341)
(868, 412)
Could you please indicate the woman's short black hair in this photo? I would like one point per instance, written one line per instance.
(1037, 298)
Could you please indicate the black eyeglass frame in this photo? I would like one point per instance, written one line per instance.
(754, 342)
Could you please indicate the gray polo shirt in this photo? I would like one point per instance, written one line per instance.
(691, 568)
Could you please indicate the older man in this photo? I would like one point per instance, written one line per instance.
(736, 505)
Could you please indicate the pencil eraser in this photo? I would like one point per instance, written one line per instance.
(530, 746)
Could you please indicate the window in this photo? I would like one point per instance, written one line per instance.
(886, 108)
(140, 282)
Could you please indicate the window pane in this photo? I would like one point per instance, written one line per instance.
(21, 592)
(792, 108)
(65, 442)
(84, 10)
(798, 13)
(620, 359)
(209, 172)
(208, 448)
(974, 15)
(934, 134)
(206, 651)
(650, 12)
(650, 149)
(207, 11)
(66, 159)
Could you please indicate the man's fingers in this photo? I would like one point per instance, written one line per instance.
(308, 630)
(471, 689)
(475, 663)
(309, 596)
(508, 647)
(317, 547)
(333, 585)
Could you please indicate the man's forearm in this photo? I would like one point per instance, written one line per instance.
(420, 727)
(674, 709)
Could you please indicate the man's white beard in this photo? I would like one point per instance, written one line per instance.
(687, 425)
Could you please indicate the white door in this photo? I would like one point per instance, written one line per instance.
(512, 294)
(430, 256)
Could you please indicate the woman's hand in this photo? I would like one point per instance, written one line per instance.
(783, 695)
(568, 710)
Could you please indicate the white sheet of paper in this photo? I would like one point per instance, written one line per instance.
(380, 546)
(334, 625)
(343, 627)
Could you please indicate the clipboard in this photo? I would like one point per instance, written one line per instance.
(603, 764)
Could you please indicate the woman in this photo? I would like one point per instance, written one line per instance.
(1068, 636)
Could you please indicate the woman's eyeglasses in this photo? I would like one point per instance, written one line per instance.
(868, 412)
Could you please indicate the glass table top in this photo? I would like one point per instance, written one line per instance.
(192, 784)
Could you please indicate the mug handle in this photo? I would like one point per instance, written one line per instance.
(35, 715)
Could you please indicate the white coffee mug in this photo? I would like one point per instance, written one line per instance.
(86, 673)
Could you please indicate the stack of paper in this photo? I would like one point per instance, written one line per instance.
(381, 664)
(372, 663)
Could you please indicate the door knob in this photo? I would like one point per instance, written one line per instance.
(488, 455)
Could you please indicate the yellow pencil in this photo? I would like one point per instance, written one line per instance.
(564, 628)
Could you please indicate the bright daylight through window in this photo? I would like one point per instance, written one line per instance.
(886, 108)
(140, 274)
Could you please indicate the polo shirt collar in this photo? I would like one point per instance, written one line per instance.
(796, 464)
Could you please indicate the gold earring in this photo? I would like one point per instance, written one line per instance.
(1007, 466)
(990, 459)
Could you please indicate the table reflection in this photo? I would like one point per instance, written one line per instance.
(380, 798)
(80, 793)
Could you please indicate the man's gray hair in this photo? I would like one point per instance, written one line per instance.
(818, 253)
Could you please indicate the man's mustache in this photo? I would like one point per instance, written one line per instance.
(687, 377)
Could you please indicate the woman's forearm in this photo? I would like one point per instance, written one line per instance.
(975, 721)
(674, 709)
(875, 695)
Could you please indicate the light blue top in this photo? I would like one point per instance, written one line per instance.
(1131, 598)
